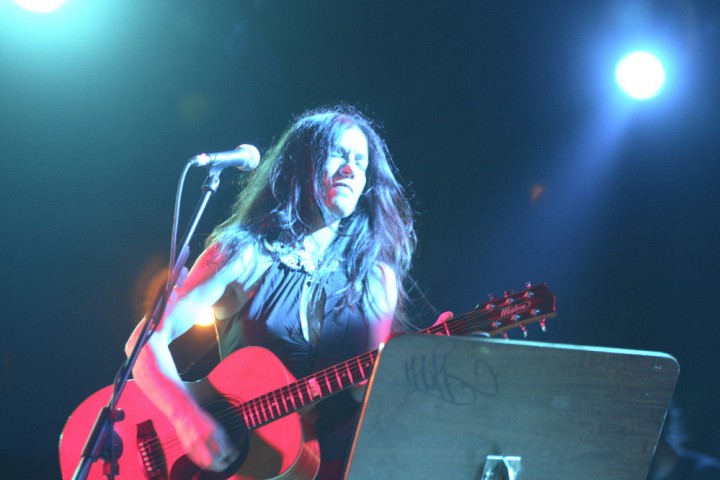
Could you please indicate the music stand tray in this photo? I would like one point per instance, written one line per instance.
(438, 407)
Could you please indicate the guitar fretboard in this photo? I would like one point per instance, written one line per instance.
(304, 392)
(283, 401)
(492, 318)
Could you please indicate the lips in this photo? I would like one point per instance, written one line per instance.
(337, 185)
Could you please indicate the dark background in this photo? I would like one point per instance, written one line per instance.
(525, 161)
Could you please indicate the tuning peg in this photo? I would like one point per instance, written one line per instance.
(509, 292)
(542, 325)
(491, 296)
(528, 285)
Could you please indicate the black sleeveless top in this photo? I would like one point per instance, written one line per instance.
(271, 319)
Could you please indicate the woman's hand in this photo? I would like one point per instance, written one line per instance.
(444, 317)
(205, 442)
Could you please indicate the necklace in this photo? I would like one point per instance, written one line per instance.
(294, 258)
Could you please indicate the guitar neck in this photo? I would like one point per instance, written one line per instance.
(306, 391)
(493, 318)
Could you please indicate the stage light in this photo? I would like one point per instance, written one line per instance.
(205, 318)
(640, 74)
(40, 6)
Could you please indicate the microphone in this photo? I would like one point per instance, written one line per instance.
(244, 157)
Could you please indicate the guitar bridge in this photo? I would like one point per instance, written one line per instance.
(151, 454)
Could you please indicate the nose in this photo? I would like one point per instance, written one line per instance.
(349, 166)
(346, 170)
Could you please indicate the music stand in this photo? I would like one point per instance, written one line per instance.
(446, 407)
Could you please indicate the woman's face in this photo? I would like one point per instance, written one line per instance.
(344, 174)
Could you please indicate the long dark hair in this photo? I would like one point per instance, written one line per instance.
(284, 194)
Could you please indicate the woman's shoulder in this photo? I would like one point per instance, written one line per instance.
(240, 260)
(383, 274)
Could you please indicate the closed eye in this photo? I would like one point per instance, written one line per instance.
(360, 160)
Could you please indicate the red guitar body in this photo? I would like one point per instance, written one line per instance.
(283, 449)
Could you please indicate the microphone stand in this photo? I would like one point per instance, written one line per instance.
(101, 442)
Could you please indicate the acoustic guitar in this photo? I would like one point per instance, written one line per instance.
(256, 399)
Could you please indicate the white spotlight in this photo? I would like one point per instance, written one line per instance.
(640, 75)
(40, 6)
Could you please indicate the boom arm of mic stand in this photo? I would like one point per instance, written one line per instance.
(101, 436)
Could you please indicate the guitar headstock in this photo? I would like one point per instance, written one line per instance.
(514, 310)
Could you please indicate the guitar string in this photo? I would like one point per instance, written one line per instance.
(234, 423)
(229, 420)
(293, 389)
(232, 418)
(172, 448)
